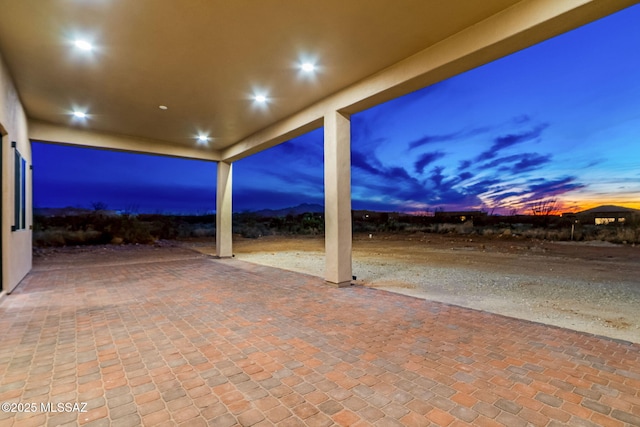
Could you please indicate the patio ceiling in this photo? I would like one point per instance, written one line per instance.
(206, 59)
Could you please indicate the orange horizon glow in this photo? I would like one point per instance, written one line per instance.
(561, 208)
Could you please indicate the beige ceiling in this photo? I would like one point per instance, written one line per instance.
(204, 59)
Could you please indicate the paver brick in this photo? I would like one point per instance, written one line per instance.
(596, 406)
(165, 336)
(626, 417)
(463, 413)
(305, 410)
(509, 406)
(330, 407)
(440, 417)
(549, 400)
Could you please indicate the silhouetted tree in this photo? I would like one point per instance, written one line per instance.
(544, 207)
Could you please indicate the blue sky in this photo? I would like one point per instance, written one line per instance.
(558, 120)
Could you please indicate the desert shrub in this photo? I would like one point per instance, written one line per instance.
(252, 231)
(137, 233)
(443, 228)
(465, 228)
(81, 237)
(364, 227)
(54, 237)
(48, 238)
(162, 226)
(204, 231)
(446, 227)
(129, 229)
(416, 228)
(392, 225)
(562, 234)
(617, 234)
(90, 229)
(253, 225)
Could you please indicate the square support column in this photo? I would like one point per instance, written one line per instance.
(337, 199)
(224, 212)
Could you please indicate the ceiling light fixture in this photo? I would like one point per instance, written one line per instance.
(163, 107)
(80, 114)
(260, 98)
(83, 45)
(203, 139)
(308, 67)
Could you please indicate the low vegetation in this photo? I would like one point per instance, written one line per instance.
(97, 228)
(100, 227)
(551, 228)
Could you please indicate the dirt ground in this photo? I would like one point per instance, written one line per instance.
(588, 286)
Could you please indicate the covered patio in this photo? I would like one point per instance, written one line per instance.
(167, 336)
(219, 82)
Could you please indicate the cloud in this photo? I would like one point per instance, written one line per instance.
(555, 187)
(310, 180)
(363, 131)
(465, 164)
(506, 141)
(390, 184)
(426, 159)
(522, 193)
(502, 160)
(398, 173)
(370, 164)
(464, 176)
(307, 150)
(519, 162)
(531, 161)
(366, 163)
(436, 176)
(522, 118)
(430, 139)
(482, 186)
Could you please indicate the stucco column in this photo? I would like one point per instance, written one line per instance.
(223, 211)
(337, 199)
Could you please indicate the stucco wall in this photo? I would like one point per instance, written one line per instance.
(16, 245)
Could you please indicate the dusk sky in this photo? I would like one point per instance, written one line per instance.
(559, 120)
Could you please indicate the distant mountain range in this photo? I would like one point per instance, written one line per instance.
(77, 211)
(295, 210)
(67, 211)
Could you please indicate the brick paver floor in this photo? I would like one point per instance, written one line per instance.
(188, 340)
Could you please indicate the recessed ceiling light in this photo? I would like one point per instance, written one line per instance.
(83, 45)
(203, 138)
(308, 67)
(260, 98)
(80, 114)
(163, 107)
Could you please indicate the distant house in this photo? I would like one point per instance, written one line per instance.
(605, 215)
(459, 216)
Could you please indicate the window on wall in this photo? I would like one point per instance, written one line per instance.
(20, 191)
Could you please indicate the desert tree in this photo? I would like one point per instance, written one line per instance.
(544, 207)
